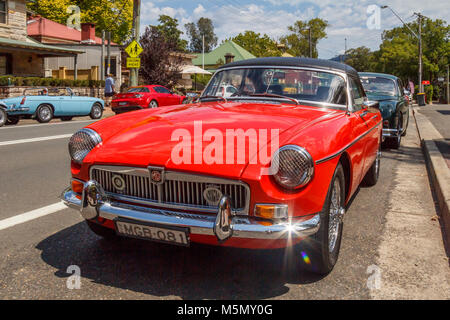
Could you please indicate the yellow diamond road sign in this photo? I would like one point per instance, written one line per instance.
(134, 49)
(134, 63)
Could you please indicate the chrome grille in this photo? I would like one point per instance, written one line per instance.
(177, 190)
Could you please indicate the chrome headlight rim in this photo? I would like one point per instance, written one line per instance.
(307, 175)
(95, 141)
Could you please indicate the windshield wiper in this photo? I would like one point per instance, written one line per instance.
(272, 95)
(213, 97)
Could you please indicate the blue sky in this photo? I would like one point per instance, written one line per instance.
(347, 18)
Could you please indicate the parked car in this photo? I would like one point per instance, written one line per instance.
(45, 104)
(394, 104)
(128, 179)
(144, 97)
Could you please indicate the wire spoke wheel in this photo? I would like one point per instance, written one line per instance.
(335, 216)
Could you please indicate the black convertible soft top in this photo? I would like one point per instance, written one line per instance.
(294, 62)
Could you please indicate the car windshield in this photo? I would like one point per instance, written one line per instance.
(298, 84)
(379, 85)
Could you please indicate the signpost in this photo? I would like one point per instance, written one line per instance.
(134, 50)
(426, 82)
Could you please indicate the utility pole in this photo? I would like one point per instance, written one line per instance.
(102, 65)
(345, 50)
(203, 52)
(134, 72)
(109, 53)
(419, 16)
(310, 44)
(448, 87)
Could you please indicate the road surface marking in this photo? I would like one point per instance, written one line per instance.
(61, 136)
(44, 125)
(31, 215)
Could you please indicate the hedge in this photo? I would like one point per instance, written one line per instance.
(49, 82)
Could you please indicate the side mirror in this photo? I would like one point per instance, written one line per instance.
(371, 104)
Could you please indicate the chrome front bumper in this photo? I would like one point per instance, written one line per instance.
(20, 109)
(95, 203)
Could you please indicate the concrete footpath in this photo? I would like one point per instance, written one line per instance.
(412, 261)
(434, 148)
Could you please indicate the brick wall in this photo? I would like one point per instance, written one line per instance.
(16, 26)
(9, 92)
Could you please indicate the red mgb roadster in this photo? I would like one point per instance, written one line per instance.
(273, 165)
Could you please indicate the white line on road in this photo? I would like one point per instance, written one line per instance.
(44, 125)
(61, 136)
(31, 215)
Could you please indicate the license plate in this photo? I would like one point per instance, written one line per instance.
(153, 232)
(123, 103)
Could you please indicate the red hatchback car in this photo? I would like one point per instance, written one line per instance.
(144, 97)
(273, 166)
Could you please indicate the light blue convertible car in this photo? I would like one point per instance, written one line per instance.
(45, 104)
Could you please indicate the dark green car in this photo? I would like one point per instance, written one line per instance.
(388, 90)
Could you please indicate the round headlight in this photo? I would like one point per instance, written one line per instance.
(82, 142)
(292, 167)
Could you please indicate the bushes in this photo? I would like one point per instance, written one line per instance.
(49, 82)
(429, 93)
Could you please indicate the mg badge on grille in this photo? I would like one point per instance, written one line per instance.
(156, 175)
(118, 183)
(212, 195)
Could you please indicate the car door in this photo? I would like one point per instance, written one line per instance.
(162, 96)
(72, 104)
(368, 119)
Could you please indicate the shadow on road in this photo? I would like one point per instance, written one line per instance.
(198, 272)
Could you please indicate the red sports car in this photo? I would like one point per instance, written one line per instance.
(143, 97)
(272, 166)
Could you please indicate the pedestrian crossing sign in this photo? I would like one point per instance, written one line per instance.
(134, 49)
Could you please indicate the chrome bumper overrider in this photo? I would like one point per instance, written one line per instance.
(390, 133)
(21, 109)
(95, 203)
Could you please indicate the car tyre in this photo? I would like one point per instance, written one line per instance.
(153, 104)
(406, 128)
(44, 113)
(66, 118)
(96, 112)
(104, 232)
(3, 117)
(319, 253)
(185, 101)
(372, 175)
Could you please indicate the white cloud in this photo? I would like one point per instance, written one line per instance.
(347, 18)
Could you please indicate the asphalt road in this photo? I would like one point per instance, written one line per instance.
(36, 254)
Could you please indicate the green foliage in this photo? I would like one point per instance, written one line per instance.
(297, 42)
(109, 15)
(168, 26)
(259, 46)
(195, 34)
(361, 58)
(429, 93)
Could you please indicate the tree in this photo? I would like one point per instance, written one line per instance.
(168, 26)
(361, 59)
(259, 46)
(195, 33)
(398, 52)
(297, 43)
(109, 15)
(160, 64)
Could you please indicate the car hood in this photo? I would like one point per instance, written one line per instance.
(149, 137)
